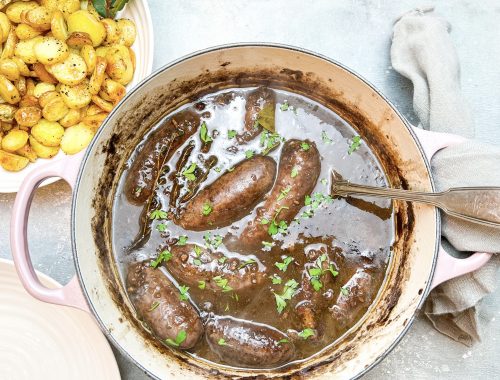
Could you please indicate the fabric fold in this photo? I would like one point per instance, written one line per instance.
(423, 52)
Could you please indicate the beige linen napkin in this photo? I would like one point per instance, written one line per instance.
(423, 52)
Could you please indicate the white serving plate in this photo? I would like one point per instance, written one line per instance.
(138, 11)
(44, 341)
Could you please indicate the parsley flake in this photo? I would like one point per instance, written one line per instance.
(158, 214)
(189, 172)
(295, 172)
(164, 256)
(181, 337)
(249, 153)
(326, 139)
(275, 279)
(283, 266)
(204, 133)
(231, 134)
(182, 240)
(222, 342)
(248, 262)
(285, 106)
(202, 284)
(154, 305)
(355, 144)
(305, 146)
(162, 227)
(207, 209)
(222, 283)
(183, 290)
(345, 290)
(306, 333)
(288, 293)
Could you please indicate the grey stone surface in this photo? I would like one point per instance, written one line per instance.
(356, 33)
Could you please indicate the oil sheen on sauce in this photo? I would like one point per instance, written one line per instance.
(355, 233)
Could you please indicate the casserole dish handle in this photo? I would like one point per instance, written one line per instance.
(71, 294)
(448, 266)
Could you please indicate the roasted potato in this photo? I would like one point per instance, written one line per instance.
(41, 150)
(76, 96)
(55, 109)
(9, 68)
(119, 64)
(38, 18)
(72, 117)
(84, 21)
(8, 91)
(48, 133)
(71, 71)
(28, 152)
(43, 87)
(14, 140)
(126, 32)
(25, 49)
(26, 32)
(14, 10)
(50, 50)
(28, 116)
(76, 138)
(12, 162)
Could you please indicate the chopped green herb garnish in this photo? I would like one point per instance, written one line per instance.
(316, 283)
(231, 134)
(207, 209)
(284, 193)
(355, 144)
(275, 279)
(305, 146)
(264, 221)
(344, 290)
(281, 341)
(154, 305)
(138, 191)
(248, 262)
(306, 333)
(326, 139)
(315, 271)
(181, 337)
(182, 240)
(189, 172)
(283, 266)
(332, 270)
(202, 284)
(222, 342)
(222, 283)
(162, 227)
(284, 106)
(324, 181)
(183, 296)
(218, 169)
(230, 169)
(197, 250)
(249, 153)
(269, 141)
(164, 256)
(204, 133)
(268, 244)
(222, 259)
(197, 262)
(288, 293)
(158, 214)
(295, 172)
(214, 242)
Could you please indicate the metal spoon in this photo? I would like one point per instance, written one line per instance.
(479, 205)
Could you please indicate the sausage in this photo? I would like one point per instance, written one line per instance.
(232, 196)
(157, 302)
(159, 147)
(248, 344)
(257, 100)
(239, 274)
(359, 294)
(287, 196)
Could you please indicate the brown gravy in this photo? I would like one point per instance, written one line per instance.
(355, 234)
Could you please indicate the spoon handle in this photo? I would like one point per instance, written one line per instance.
(475, 204)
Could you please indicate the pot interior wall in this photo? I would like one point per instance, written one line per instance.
(242, 66)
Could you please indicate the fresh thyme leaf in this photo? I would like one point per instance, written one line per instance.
(207, 209)
(295, 172)
(305, 146)
(189, 172)
(154, 305)
(202, 284)
(306, 333)
(182, 240)
(204, 133)
(283, 266)
(183, 289)
(355, 144)
(158, 214)
(164, 256)
(231, 134)
(249, 153)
